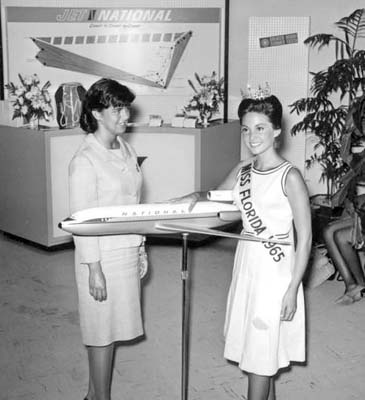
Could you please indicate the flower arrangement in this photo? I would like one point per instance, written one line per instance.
(206, 100)
(30, 101)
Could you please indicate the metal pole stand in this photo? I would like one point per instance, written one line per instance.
(185, 318)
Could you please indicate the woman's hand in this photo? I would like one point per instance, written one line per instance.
(97, 282)
(191, 198)
(142, 264)
(289, 305)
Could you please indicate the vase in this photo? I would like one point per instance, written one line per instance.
(33, 122)
(204, 118)
(30, 123)
(205, 121)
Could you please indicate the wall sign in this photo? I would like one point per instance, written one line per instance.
(153, 50)
(279, 40)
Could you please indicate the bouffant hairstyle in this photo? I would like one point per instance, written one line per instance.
(270, 106)
(103, 94)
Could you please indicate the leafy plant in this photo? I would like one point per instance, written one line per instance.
(335, 93)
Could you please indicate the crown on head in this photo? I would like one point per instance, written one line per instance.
(260, 93)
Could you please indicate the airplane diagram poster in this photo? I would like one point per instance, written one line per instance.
(153, 50)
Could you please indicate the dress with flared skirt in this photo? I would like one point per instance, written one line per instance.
(255, 337)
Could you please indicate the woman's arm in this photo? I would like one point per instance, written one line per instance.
(230, 180)
(227, 184)
(299, 201)
(83, 194)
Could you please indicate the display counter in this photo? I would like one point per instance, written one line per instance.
(34, 171)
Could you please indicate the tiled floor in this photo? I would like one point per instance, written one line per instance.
(41, 356)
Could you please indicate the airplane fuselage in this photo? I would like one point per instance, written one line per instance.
(145, 218)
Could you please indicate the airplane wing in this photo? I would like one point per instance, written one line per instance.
(212, 232)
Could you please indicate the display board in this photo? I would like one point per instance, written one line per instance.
(278, 55)
(153, 50)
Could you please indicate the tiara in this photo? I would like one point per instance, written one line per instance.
(260, 93)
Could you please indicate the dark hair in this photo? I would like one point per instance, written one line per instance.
(270, 106)
(102, 94)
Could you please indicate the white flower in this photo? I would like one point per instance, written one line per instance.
(36, 104)
(19, 91)
(24, 110)
(46, 96)
(35, 79)
(27, 80)
(35, 91)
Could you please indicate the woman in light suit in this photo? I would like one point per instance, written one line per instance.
(104, 172)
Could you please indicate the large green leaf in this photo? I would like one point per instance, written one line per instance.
(310, 104)
(343, 77)
(323, 39)
(354, 24)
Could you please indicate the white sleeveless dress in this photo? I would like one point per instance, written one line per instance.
(255, 337)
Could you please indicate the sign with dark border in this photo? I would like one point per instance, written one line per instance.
(154, 50)
(278, 40)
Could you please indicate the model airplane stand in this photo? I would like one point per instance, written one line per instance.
(185, 320)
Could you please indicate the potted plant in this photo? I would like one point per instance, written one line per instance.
(334, 97)
(207, 97)
(30, 101)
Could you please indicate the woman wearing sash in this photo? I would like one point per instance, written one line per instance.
(265, 323)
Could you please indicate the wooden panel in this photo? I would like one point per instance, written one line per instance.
(61, 150)
(220, 149)
(23, 199)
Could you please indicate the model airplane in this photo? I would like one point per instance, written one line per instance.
(144, 219)
(70, 53)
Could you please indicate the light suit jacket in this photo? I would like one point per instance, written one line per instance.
(100, 177)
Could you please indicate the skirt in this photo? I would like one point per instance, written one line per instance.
(255, 336)
(119, 317)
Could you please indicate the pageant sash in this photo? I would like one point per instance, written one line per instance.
(255, 221)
